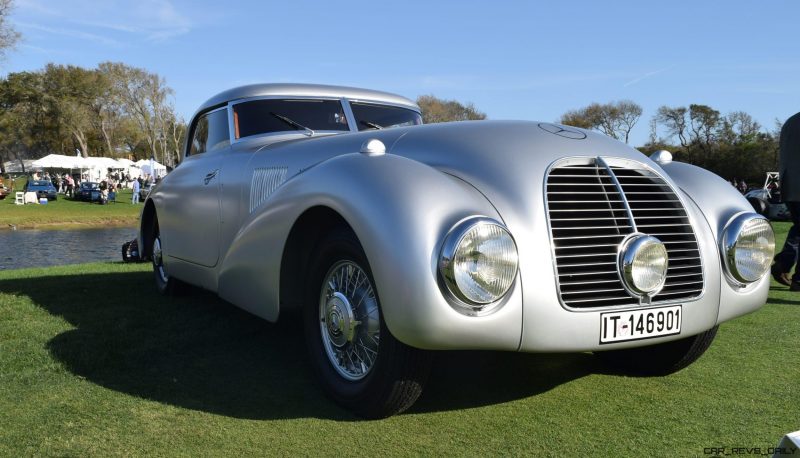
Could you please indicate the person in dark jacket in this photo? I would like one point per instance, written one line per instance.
(790, 193)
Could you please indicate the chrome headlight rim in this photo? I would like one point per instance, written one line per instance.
(446, 269)
(728, 244)
(629, 248)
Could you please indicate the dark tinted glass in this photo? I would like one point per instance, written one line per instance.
(263, 116)
(210, 132)
(369, 116)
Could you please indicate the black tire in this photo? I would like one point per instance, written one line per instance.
(660, 359)
(165, 284)
(397, 374)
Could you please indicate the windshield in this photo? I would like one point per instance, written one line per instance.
(371, 116)
(281, 115)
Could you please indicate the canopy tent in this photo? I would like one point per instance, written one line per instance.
(59, 161)
(104, 163)
(126, 163)
(150, 167)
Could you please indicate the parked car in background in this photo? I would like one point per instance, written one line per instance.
(767, 199)
(88, 191)
(44, 189)
(396, 239)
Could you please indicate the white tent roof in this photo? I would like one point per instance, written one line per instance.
(59, 161)
(126, 162)
(156, 165)
(104, 163)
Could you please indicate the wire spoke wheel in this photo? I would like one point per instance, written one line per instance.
(349, 320)
(158, 262)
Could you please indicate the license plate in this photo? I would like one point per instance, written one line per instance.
(640, 324)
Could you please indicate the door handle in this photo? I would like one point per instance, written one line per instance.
(210, 176)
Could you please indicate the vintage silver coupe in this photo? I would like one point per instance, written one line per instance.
(396, 238)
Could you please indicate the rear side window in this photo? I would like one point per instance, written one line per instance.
(372, 116)
(281, 115)
(210, 132)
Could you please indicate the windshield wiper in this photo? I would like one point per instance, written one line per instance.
(294, 124)
(372, 124)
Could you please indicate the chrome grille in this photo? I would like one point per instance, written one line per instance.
(589, 217)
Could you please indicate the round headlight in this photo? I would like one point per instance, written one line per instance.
(478, 261)
(748, 245)
(643, 263)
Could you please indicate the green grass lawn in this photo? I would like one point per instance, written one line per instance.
(94, 362)
(65, 213)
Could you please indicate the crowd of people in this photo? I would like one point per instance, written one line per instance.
(741, 185)
(69, 184)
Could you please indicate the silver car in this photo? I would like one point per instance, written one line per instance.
(396, 239)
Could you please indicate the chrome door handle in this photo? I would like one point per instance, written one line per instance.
(210, 176)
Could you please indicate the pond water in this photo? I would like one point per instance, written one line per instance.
(35, 248)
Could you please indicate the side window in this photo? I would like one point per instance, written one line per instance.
(210, 132)
(374, 116)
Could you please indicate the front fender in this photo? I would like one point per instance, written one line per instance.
(720, 202)
(400, 211)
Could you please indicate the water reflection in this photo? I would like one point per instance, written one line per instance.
(35, 248)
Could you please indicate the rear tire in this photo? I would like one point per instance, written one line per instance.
(660, 359)
(165, 284)
(359, 364)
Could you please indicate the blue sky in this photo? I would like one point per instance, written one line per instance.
(514, 60)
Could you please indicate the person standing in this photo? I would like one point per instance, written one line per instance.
(790, 193)
(135, 198)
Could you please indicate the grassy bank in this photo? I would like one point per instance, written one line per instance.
(94, 362)
(67, 213)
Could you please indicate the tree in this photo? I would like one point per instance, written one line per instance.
(72, 93)
(8, 35)
(704, 122)
(439, 110)
(111, 109)
(738, 127)
(615, 119)
(144, 97)
(675, 121)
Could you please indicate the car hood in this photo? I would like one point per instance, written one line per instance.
(506, 160)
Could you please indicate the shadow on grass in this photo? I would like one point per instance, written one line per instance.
(201, 353)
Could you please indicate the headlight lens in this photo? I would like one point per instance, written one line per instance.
(479, 262)
(644, 265)
(748, 245)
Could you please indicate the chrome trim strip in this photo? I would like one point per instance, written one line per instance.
(621, 192)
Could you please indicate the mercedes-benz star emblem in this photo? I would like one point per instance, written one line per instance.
(565, 132)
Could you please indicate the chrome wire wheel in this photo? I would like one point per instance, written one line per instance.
(158, 261)
(349, 320)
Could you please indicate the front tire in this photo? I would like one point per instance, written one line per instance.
(359, 363)
(660, 359)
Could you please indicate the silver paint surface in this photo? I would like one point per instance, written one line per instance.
(402, 204)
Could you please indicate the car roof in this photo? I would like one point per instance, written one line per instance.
(305, 90)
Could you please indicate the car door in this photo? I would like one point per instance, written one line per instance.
(190, 226)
